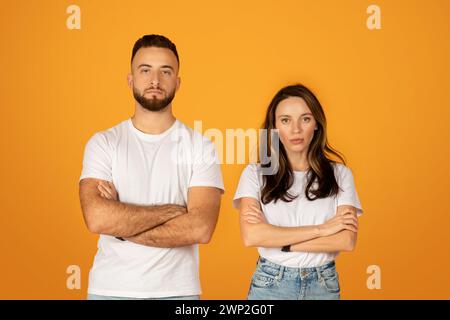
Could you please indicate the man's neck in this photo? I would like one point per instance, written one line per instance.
(153, 122)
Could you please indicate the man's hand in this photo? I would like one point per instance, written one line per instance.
(107, 190)
(104, 214)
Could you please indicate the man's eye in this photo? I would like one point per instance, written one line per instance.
(166, 72)
(144, 70)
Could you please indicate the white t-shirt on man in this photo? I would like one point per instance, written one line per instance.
(299, 212)
(149, 170)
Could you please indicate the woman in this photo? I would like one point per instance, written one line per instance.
(301, 207)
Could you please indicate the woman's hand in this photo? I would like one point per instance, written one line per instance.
(345, 221)
(254, 215)
(107, 190)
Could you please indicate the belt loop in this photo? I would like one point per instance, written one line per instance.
(302, 272)
(319, 275)
(280, 274)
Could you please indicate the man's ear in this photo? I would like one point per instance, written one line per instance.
(130, 80)
(178, 83)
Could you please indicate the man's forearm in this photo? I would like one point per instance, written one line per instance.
(196, 226)
(341, 241)
(126, 220)
(181, 231)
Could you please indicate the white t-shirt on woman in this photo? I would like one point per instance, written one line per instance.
(299, 212)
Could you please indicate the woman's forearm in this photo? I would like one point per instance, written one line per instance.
(267, 235)
(342, 241)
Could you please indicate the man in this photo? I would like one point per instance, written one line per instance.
(151, 187)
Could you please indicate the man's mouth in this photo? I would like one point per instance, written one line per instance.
(157, 91)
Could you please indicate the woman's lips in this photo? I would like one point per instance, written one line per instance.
(296, 141)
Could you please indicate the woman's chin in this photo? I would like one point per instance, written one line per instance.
(296, 148)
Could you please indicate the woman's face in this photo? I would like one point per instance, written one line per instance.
(295, 123)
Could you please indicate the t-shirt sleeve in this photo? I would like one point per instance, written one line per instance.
(97, 160)
(248, 186)
(347, 194)
(206, 168)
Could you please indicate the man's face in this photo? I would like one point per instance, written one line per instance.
(154, 77)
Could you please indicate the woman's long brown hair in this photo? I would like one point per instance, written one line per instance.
(280, 180)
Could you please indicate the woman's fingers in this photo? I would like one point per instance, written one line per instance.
(351, 228)
(252, 213)
(255, 208)
(252, 220)
(252, 216)
(351, 222)
(345, 213)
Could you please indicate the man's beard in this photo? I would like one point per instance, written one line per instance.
(154, 104)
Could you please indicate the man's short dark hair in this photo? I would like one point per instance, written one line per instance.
(154, 40)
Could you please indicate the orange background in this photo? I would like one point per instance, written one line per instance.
(385, 93)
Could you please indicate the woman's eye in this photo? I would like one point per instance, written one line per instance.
(306, 119)
(284, 121)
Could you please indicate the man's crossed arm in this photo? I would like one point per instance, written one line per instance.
(158, 226)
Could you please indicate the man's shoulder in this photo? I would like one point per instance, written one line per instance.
(112, 134)
(193, 136)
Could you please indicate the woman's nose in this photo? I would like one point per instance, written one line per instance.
(297, 127)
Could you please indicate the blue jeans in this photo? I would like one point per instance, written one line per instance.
(272, 281)
(98, 297)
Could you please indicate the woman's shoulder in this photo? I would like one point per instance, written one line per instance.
(253, 169)
(252, 172)
(340, 169)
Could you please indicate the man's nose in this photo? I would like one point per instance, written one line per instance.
(154, 80)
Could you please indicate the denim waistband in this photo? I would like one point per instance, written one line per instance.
(318, 269)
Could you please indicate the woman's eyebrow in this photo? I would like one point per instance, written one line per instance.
(303, 114)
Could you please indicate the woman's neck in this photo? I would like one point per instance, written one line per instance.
(298, 161)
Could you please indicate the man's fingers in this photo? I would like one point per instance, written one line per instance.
(111, 186)
(103, 188)
(104, 191)
(107, 186)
